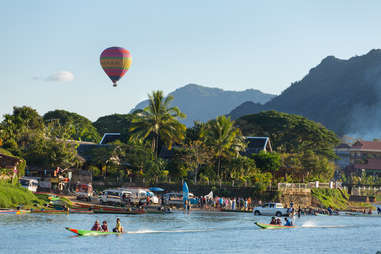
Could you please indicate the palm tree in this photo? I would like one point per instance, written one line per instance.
(158, 121)
(221, 135)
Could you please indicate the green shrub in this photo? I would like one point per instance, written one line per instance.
(334, 198)
(95, 170)
(12, 196)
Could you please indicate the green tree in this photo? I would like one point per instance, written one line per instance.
(267, 162)
(115, 123)
(220, 134)
(81, 127)
(195, 154)
(292, 167)
(241, 169)
(159, 122)
(14, 125)
(137, 154)
(290, 133)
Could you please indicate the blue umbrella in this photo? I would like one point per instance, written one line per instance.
(157, 189)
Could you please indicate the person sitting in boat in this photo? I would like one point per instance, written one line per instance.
(288, 222)
(118, 227)
(273, 221)
(278, 221)
(104, 226)
(96, 226)
(378, 210)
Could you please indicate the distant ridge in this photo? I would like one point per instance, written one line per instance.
(201, 103)
(343, 95)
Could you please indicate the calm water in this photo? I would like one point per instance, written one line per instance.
(198, 232)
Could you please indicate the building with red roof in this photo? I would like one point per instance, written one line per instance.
(365, 156)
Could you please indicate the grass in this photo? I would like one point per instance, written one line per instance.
(333, 198)
(6, 152)
(12, 196)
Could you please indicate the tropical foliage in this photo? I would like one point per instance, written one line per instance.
(80, 128)
(154, 146)
(220, 134)
(290, 133)
(25, 135)
(158, 121)
(115, 123)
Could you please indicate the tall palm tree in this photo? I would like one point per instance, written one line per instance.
(158, 121)
(221, 135)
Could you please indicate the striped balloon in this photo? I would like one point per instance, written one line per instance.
(115, 61)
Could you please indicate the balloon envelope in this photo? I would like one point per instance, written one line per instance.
(115, 61)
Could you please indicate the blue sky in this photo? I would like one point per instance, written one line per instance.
(234, 45)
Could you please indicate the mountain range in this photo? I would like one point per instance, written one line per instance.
(201, 103)
(343, 95)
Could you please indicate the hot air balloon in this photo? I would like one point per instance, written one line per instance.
(115, 61)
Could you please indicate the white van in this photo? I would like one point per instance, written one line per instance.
(29, 183)
(114, 196)
(138, 195)
(175, 198)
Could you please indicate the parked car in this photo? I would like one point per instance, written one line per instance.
(271, 209)
(175, 198)
(114, 196)
(29, 183)
(138, 196)
(84, 191)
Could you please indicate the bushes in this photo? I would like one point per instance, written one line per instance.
(337, 199)
(12, 196)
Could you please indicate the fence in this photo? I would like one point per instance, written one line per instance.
(311, 185)
(365, 190)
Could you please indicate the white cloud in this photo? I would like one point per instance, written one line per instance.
(60, 76)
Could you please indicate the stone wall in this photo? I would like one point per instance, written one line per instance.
(300, 197)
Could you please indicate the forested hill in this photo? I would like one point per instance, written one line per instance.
(343, 95)
(204, 103)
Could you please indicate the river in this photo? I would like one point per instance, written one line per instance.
(197, 232)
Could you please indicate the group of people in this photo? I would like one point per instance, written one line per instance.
(104, 227)
(232, 203)
(278, 221)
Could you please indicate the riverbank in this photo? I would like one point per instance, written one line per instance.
(13, 196)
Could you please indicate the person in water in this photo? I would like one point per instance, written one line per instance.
(104, 226)
(96, 226)
(118, 227)
(273, 221)
(287, 222)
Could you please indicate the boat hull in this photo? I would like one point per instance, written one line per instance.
(18, 212)
(89, 232)
(271, 226)
(118, 211)
(50, 211)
